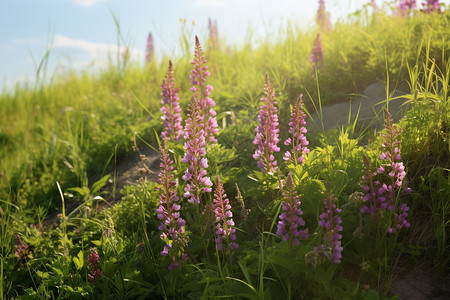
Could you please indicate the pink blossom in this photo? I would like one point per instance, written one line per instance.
(171, 108)
(383, 186)
(291, 215)
(223, 218)
(172, 225)
(94, 263)
(267, 131)
(202, 93)
(297, 130)
(331, 221)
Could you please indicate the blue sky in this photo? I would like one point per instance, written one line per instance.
(82, 32)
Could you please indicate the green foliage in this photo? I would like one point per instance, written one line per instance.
(70, 134)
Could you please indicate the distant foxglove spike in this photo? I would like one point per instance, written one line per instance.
(321, 17)
(213, 34)
(316, 57)
(150, 49)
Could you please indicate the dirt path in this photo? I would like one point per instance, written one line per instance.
(369, 106)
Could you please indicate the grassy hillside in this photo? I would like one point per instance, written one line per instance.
(60, 142)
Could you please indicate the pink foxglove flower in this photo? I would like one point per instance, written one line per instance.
(267, 132)
(297, 130)
(291, 215)
(430, 6)
(383, 186)
(321, 17)
(150, 49)
(404, 6)
(21, 247)
(195, 156)
(94, 263)
(172, 225)
(223, 218)
(202, 92)
(316, 57)
(201, 126)
(171, 108)
(331, 221)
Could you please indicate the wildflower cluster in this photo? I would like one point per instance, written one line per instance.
(316, 57)
(267, 131)
(382, 187)
(331, 221)
(297, 130)
(94, 262)
(172, 225)
(223, 217)
(170, 108)
(291, 215)
(150, 49)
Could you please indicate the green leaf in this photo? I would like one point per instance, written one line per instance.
(83, 191)
(43, 275)
(97, 243)
(99, 184)
(79, 260)
(372, 295)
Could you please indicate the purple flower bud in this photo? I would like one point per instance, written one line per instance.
(150, 49)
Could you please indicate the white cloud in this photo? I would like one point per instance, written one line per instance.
(93, 51)
(26, 41)
(85, 3)
(209, 3)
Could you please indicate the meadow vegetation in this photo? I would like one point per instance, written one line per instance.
(61, 139)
